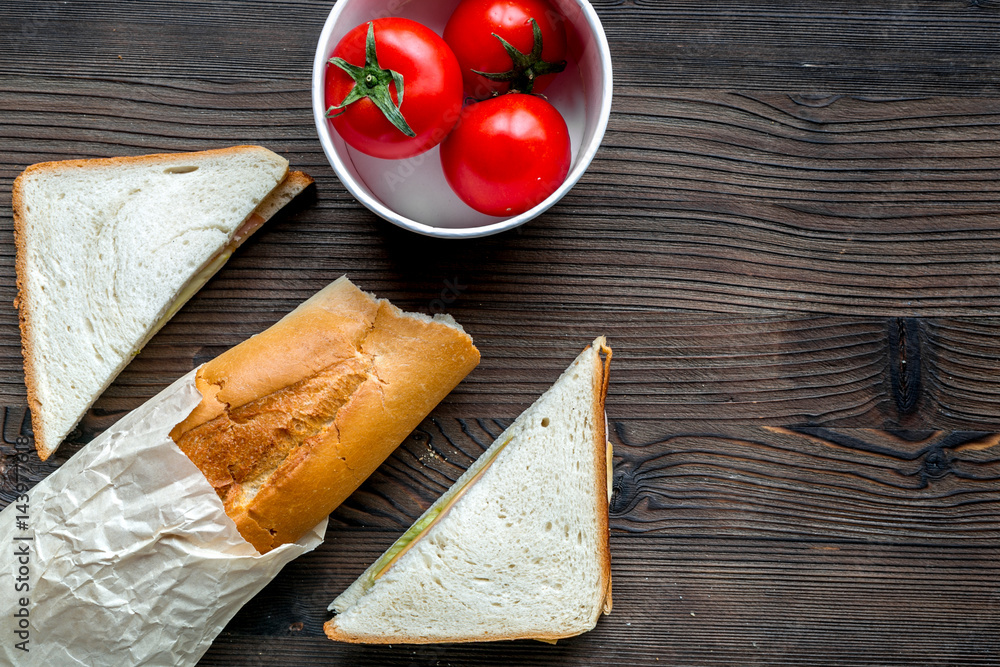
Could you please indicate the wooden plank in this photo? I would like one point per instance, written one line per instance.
(686, 370)
(920, 47)
(746, 546)
(851, 485)
(796, 539)
(682, 601)
(881, 48)
(704, 201)
(746, 481)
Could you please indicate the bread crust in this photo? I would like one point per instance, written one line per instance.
(602, 453)
(153, 158)
(294, 183)
(24, 320)
(294, 419)
(601, 495)
(288, 188)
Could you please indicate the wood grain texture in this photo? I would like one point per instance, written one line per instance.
(789, 235)
(681, 369)
(748, 546)
(697, 201)
(923, 47)
(903, 487)
(684, 601)
(912, 47)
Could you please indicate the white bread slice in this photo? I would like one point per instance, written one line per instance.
(517, 548)
(109, 249)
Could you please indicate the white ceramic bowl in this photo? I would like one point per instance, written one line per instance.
(413, 193)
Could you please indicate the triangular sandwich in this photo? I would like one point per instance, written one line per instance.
(517, 548)
(109, 249)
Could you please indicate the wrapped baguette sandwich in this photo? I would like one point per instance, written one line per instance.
(517, 548)
(128, 554)
(295, 418)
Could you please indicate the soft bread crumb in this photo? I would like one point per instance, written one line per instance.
(104, 248)
(523, 553)
(441, 318)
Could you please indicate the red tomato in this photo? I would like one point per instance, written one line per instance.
(507, 154)
(470, 34)
(431, 99)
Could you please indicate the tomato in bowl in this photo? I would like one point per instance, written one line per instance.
(413, 192)
(393, 88)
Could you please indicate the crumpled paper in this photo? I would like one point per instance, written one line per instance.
(131, 558)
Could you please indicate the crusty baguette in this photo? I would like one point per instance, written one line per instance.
(107, 252)
(517, 548)
(294, 419)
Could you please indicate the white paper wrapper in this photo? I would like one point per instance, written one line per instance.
(131, 558)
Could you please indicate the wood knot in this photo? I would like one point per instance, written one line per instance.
(815, 101)
(937, 464)
(904, 364)
(624, 489)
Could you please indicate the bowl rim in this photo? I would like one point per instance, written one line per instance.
(584, 158)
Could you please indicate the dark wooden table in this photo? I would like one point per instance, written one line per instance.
(791, 237)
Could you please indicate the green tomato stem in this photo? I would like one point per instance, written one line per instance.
(372, 82)
(526, 67)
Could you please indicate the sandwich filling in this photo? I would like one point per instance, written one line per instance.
(430, 518)
(253, 222)
(109, 249)
(517, 548)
